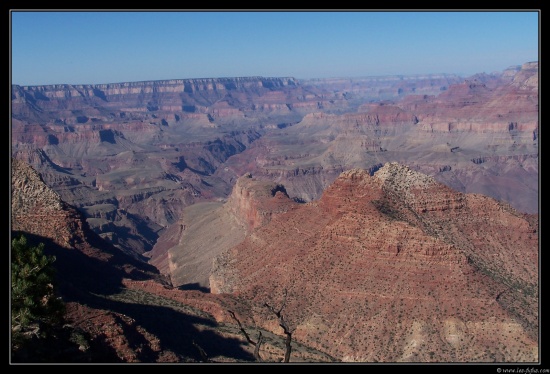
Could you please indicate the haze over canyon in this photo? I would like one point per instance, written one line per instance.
(395, 217)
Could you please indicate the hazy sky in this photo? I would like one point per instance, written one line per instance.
(78, 47)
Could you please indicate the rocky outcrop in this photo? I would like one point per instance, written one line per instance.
(395, 267)
(419, 192)
(254, 202)
(186, 250)
(37, 209)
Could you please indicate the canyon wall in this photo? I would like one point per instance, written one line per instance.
(395, 267)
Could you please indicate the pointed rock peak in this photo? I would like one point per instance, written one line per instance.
(355, 174)
(29, 190)
(398, 176)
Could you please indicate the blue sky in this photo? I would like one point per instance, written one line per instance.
(94, 47)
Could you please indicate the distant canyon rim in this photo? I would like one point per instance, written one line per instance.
(132, 156)
(349, 198)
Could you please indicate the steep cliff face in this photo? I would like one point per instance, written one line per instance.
(395, 267)
(254, 202)
(167, 95)
(448, 135)
(501, 105)
(186, 250)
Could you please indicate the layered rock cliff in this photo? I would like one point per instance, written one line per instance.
(132, 156)
(395, 267)
(157, 95)
(447, 136)
(186, 251)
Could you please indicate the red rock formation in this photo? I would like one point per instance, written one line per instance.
(186, 250)
(395, 267)
(121, 309)
(255, 202)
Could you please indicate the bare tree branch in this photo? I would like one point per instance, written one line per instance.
(284, 325)
(242, 328)
(256, 344)
(257, 349)
(288, 340)
(282, 322)
(203, 354)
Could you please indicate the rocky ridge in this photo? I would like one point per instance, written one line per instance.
(118, 307)
(38, 209)
(205, 230)
(396, 267)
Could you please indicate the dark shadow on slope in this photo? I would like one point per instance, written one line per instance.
(177, 331)
(89, 281)
(194, 287)
(123, 236)
(48, 161)
(119, 257)
(79, 273)
(63, 346)
(107, 136)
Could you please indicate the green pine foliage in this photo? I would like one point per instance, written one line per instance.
(35, 308)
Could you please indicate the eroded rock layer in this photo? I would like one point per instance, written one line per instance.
(132, 156)
(395, 267)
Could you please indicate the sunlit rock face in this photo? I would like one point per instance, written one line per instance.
(133, 155)
(395, 267)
